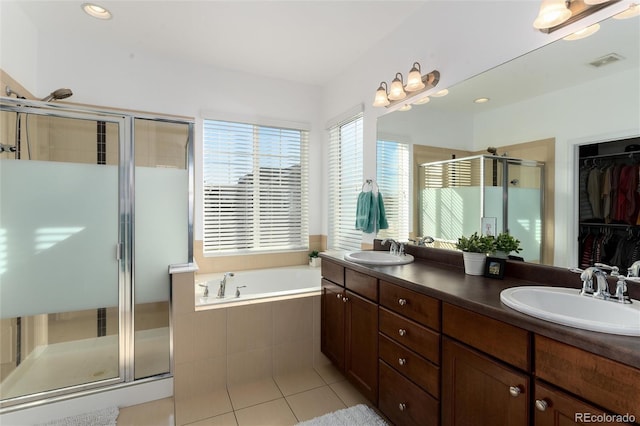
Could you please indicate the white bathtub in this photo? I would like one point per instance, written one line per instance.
(260, 285)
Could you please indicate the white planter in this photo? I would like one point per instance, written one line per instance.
(474, 263)
(314, 261)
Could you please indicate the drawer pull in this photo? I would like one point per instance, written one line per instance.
(402, 361)
(541, 404)
(402, 302)
(515, 391)
(338, 296)
(402, 332)
(345, 299)
(402, 406)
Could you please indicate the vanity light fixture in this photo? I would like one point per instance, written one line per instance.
(583, 33)
(481, 100)
(405, 107)
(633, 10)
(96, 11)
(396, 92)
(382, 97)
(556, 14)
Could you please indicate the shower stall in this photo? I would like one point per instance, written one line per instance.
(94, 207)
(487, 194)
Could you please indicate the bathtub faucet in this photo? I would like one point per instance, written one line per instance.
(223, 284)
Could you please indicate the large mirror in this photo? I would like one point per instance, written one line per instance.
(542, 106)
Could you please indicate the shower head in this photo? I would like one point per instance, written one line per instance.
(493, 151)
(57, 95)
(10, 92)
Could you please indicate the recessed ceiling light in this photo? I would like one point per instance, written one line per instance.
(440, 94)
(481, 100)
(96, 11)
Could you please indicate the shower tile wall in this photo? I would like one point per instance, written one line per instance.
(225, 348)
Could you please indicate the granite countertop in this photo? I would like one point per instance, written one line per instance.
(449, 283)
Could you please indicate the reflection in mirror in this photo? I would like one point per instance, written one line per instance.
(485, 194)
(541, 107)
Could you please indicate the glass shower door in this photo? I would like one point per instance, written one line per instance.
(524, 203)
(60, 274)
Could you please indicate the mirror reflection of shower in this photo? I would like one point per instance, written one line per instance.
(56, 95)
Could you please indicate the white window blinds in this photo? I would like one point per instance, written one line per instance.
(392, 164)
(345, 182)
(255, 188)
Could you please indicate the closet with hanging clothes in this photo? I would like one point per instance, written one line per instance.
(609, 203)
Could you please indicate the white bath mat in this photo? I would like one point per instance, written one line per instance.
(104, 417)
(359, 415)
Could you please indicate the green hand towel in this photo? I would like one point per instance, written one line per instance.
(363, 210)
(382, 216)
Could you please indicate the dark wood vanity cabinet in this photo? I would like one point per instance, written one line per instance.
(424, 361)
(477, 388)
(349, 325)
(409, 349)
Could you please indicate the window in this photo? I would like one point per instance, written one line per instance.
(345, 182)
(392, 165)
(255, 188)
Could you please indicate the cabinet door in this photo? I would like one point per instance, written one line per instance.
(555, 408)
(361, 363)
(477, 390)
(332, 324)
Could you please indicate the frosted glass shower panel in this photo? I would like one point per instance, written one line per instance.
(58, 237)
(448, 213)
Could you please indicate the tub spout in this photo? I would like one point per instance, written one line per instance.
(223, 284)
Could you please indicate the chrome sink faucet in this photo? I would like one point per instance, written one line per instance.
(397, 249)
(223, 284)
(602, 285)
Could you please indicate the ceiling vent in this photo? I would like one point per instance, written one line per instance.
(606, 60)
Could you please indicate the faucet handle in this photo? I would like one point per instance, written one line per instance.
(615, 271)
(206, 289)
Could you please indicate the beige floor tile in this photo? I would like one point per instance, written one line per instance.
(228, 419)
(253, 393)
(329, 373)
(314, 403)
(349, 394)
(299, 381)
(273, 413)
(154, 413)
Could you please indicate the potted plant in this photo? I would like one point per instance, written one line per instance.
(314, 260)
(505, 244)
(474, 251)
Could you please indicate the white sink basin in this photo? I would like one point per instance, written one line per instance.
(566, 306)
(381, 258)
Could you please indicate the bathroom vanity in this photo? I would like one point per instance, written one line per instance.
(429, 345)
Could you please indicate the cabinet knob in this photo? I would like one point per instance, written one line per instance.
(402, 332)
(402, 361)
(541, 404)
(402, 302)
(514, 391)
(402, 406)
(345, 299)
(338, 296)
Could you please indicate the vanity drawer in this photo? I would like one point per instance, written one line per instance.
(420, 308)
(403, 402)
(411, 365)
(332, 271)
(504, 341)
(605, 382)
(410, 334)
(363, 284)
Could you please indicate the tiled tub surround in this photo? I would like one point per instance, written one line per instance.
(219, 352)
